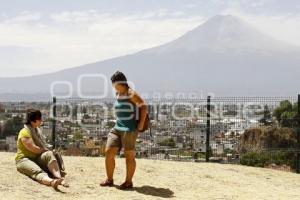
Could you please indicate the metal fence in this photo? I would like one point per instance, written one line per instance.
(258, 131)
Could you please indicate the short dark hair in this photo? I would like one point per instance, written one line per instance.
(119, 77)
(32, 115)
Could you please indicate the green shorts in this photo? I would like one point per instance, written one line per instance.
(121, 139)
(37, 168)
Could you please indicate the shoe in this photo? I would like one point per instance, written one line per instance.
(106, 183)
(126, 185)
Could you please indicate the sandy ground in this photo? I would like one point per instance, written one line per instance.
(154, 180)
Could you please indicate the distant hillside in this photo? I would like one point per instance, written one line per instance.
(256, 139)
(224, 56)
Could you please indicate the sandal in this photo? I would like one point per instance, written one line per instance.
(107, 183)
(126, 185)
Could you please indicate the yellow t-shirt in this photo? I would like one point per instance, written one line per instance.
(22, 152)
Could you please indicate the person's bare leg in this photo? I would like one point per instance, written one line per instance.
(110, 164)
(130, 165)
(54, 169)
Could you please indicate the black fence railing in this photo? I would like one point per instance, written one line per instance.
(257, 131)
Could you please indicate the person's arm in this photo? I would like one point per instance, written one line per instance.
(137, 100)
(30, 146)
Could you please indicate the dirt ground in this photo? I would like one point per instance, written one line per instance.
(154, 180)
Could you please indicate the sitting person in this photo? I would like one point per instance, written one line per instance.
(33, 158)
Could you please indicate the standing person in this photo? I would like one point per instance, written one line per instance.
(33, 158)
(125, 131)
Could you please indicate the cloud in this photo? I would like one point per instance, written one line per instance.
(22, 17)
(72, 38)
(283, 27)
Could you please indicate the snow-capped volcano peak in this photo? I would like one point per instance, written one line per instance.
(225, 56)
(222, 33)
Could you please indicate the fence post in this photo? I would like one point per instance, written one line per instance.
(207, 152)
(54, 123)
(298, 137)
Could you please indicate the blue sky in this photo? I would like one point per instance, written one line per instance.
(49, 35)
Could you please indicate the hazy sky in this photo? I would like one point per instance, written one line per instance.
(49, 35)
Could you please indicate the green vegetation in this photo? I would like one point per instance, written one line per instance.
(168, 142)
(266, 158)
(12, 127)
(74, 111)
(77, 135)
(271, 144)
(286, 114)
(267, 116)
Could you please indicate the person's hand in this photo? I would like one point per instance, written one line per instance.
(44, 150)
(140, 128)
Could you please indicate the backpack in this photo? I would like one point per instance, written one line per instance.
(147, 121)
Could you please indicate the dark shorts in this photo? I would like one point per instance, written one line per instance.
(121, 139)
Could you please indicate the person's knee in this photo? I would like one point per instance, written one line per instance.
(48, 157)
(39, 176)
(48, 154)
(110, 152)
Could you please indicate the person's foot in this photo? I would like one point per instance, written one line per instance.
(106, 183)
(126, 185)
(56, 182)
(64, 183)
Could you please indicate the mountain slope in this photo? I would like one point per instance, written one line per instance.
(224, 56)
